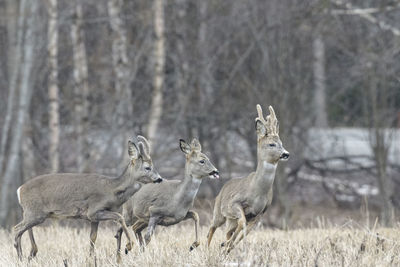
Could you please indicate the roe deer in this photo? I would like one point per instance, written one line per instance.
(170, 202)
(93, 197)
(242, 201)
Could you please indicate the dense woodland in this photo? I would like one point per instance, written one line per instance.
(79, 78)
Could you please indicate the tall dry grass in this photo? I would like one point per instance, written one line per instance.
(338, 246)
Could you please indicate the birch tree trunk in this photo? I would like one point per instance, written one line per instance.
(121, 71)
(380, 144)
(180, 43)
(12, 39)
(204, 82)
(81, 90)
(158, 79)
(11, 178)
(54, 116)
(182, 78)
(14, 68)
(204, 86)
(319, 82)
(120, 60)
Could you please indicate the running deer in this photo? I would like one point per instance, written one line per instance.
(241, 202)
(93, 197)
(171, 201)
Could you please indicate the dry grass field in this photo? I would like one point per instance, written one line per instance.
(346, 245)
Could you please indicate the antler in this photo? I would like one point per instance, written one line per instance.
(260, 115)
(271, 123)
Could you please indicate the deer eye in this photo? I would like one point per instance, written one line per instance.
(272, 145)
(202, 161)
(147, 169)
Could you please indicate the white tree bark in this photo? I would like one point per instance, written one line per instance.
(81, 90)
(319, 82)
(121, 68)
(380, 143)
(204, 82)
(12, 171)
(120, 62)
(158, 80)
(54, 116)
(14, 68)
(12, 26)
(180, 43)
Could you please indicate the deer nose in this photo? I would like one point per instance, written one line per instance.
(158, 180)
(214, 174)
(285, 155)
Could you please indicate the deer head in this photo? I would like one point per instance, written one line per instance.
(142, 163)
(269, 144)
(197, 163)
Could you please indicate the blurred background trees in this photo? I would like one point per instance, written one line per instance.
(78, 78)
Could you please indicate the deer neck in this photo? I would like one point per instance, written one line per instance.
(264, 176)
(126, 182)
(188, 188)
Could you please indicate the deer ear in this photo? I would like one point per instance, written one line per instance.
(195, 145)
(145, 145)
(260, 128)
(133, 151)
(185, 147)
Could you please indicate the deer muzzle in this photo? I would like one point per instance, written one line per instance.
(159, 180)
(214, 174)
(285, 155)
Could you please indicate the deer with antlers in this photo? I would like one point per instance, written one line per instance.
(93, 197)
(171, 201)
(241, 202)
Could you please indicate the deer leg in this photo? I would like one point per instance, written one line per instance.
(34, 248)
(232, 224)
(215, 224)
(137, 229)
(115, 216)
(150, 229)
(118, 236)
(250, 226)
(193, 215)
(20, 229)
(93, 236)
(241, 226)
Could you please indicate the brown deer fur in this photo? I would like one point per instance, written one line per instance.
(241, 202)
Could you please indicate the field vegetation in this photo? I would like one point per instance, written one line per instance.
(347, 245)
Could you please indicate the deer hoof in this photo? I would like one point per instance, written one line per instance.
(194, 245)
(128, 246)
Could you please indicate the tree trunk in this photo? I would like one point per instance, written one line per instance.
(380, 148)
(54, 116)
(14, 67)
(384, 183)
(319, 82)
(12, 39)
(121, 72)
(81, 90)
(158, 79)
(12, 172)
(204, 82)
(280, 192)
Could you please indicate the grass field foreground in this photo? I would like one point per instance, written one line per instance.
(338, 246)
